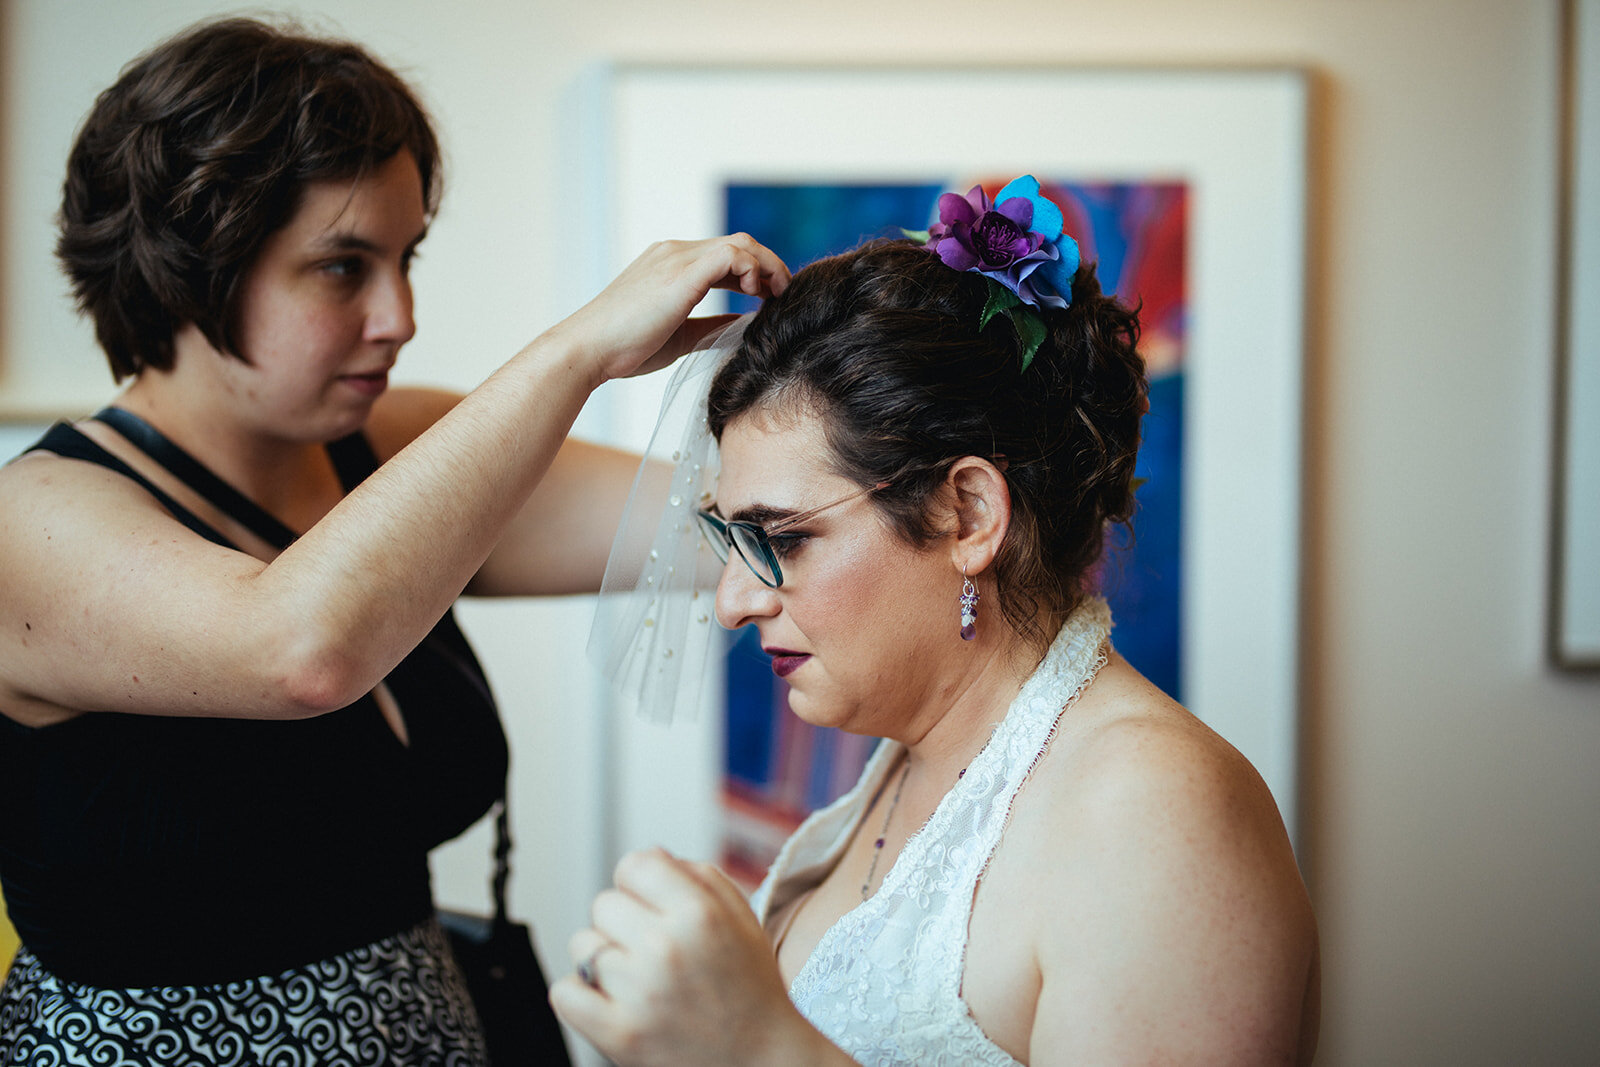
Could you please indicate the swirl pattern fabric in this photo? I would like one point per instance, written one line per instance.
(884, 982)
(400, 1000)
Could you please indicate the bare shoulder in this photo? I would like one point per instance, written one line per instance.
(1130, 760)
(98, 592)
(1139, 801)
(48, 506)
(404, 412)
(39, 485)
(1192, 930)
(61, 517)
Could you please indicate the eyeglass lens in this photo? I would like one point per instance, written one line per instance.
(755, 552)
(746, 541)
(711, 529)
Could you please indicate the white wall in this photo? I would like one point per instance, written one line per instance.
(1452, 790)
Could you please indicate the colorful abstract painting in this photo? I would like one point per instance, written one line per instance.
(777, 768)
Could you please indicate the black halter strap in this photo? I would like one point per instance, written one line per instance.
(66, 440)
(352, 458)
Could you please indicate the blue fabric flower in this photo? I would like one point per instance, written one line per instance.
(1056, 272)
(1016, 241)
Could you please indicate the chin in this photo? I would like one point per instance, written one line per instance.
(334, 425)
(822, 712)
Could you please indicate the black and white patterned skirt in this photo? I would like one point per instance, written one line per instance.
(399, 1001)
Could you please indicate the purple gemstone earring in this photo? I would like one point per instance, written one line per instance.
(969, 607)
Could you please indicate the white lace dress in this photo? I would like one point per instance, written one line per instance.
(884, 982)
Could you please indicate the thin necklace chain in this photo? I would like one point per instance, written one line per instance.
(877, 846)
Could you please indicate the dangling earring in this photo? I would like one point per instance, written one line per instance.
(969, 607)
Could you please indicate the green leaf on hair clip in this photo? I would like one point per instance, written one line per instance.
(1030, 330)
(919, 236)
(1000, 299)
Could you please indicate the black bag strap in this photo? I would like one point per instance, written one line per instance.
(502, 860)
(353, 459)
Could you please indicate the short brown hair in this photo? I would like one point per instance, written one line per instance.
(199, 151)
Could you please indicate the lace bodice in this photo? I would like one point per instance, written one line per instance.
(884, 982)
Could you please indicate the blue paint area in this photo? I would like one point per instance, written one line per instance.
(803, 223)
(1144, 581)
(1106, 208)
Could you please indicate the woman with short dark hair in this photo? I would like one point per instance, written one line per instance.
(235, 711)
(202, 147)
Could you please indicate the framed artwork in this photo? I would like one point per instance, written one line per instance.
(1574, 617)
(1189, 188)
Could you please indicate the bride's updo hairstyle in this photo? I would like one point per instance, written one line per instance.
(883, 344)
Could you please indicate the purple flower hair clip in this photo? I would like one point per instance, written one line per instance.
(1017, 244)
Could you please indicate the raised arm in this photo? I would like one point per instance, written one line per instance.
(560, 538)
(108, 604)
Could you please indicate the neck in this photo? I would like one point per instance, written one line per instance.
(266, 468)
(962, 714)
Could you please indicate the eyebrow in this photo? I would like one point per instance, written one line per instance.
(761, 514)
(345, 241)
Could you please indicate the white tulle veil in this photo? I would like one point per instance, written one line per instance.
(655, 626)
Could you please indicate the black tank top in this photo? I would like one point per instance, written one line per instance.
(149, 850)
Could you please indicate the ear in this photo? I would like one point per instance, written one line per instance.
(983, 513)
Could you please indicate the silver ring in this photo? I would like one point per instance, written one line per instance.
(586, 972)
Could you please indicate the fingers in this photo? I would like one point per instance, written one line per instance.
(674, 967)
(584, 997)
(737, 261)
(585, 948)
(759, 270)
(661, 880)
(664, 898)
(664, 883)
(618, 960)
(655, 894)
(771, 276)
(581, 1000)
(720, 886)
(641, 321)
(623, 918)
(686, 338)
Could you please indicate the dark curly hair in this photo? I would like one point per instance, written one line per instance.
(199, 151)
(883, 342)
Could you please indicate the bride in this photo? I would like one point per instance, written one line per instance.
(1048, 860)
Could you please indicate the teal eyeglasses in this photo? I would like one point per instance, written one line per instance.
(754, 543)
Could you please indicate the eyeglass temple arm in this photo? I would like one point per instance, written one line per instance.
(792, 520)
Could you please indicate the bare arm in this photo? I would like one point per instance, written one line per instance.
(558, 541)
(107, 604)
(1183, 933)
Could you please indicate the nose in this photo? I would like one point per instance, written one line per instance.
(389, 314)
(742, 597)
